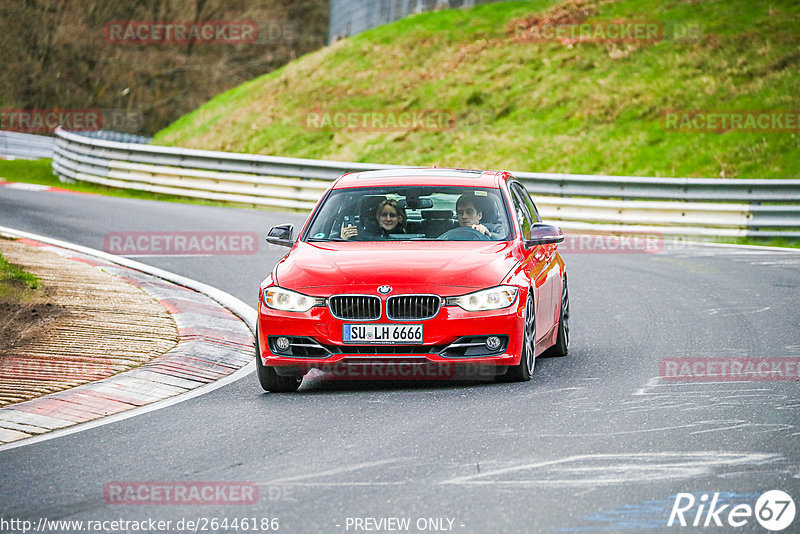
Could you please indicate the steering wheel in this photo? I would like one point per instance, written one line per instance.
(463, 233)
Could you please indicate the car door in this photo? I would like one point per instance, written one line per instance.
(543, 270)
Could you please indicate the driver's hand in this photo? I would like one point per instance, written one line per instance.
(481, 228)
(349, 232)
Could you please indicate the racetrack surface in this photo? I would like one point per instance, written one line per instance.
(596, 441)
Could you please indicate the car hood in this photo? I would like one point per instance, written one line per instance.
(460, 264)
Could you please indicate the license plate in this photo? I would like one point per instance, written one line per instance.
(405, 334)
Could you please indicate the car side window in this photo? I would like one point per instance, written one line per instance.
(521, 213)
(526, 198)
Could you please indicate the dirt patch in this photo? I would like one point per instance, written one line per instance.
(81, 325)
(25, 309)
(20, 321)
(563, 12)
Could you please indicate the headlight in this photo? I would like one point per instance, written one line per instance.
(486, 299)
(279, 298)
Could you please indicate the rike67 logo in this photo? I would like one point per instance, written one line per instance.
(774, 510)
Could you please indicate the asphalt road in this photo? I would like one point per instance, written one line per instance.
(596, 441)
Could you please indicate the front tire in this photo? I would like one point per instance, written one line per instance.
(561, 348)
(523, 371)
(270, 380)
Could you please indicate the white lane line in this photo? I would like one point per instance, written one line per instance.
(657, 382)
(616, 468)
(334, 471)
(619, 432)
(754, 427)
(650, 384)
(467, 479)
(733, 312)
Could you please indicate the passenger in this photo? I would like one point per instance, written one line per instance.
(469, 209)
(391, 220)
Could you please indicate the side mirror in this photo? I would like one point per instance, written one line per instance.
(281, 235)
(544, 234)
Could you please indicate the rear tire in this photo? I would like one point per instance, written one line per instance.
(561, 348)
(270, 380)
(523, 371)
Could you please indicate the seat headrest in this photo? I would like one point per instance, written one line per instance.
(369, 203)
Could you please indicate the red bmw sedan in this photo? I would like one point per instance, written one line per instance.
(414, 268)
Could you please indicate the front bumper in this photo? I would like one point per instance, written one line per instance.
(450, 338)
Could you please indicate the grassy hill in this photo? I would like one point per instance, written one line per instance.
(580, 107)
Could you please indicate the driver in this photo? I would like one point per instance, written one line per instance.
(470, 212)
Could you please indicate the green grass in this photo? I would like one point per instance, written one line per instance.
(40, 172)
(32, 171)
(592, 108)
(11, 274)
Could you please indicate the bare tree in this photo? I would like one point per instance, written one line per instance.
(55, 54)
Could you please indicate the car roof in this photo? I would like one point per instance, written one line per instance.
(421, 176)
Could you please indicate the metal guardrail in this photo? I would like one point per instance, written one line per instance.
(668, 206)
(121, 137)
(26, 146)
(31, 146)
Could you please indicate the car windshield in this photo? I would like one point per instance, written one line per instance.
(403, 213)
